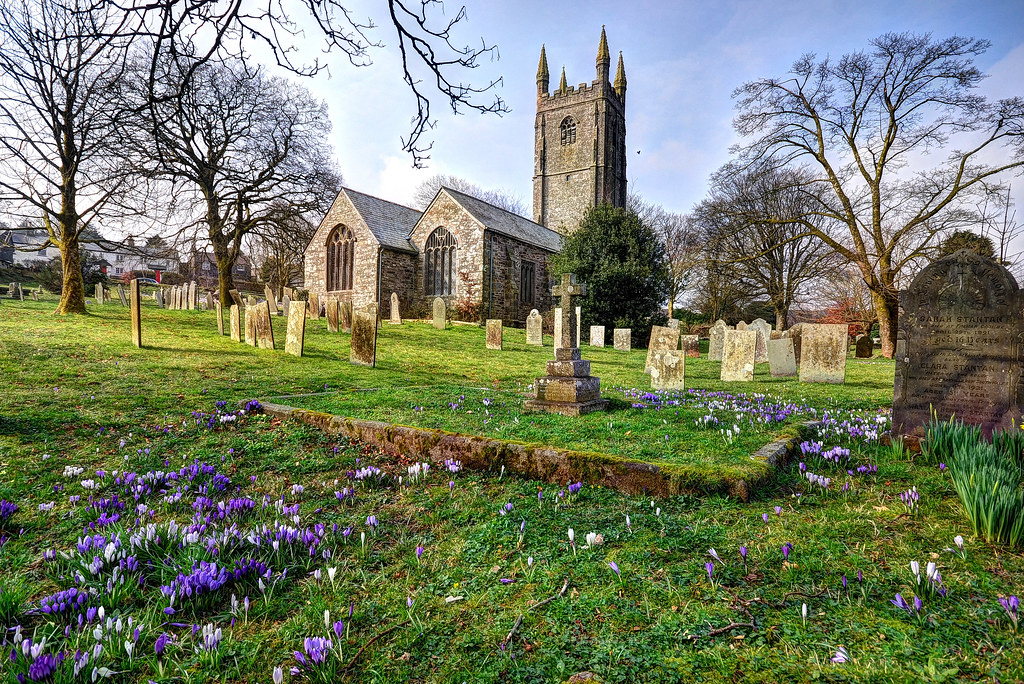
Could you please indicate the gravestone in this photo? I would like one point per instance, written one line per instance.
(250, 301)
(218, 311)
(264, 326)
(865, 347)
(345, 311)
(795, 334)
(236, 297)
(597, 336)
(331, 310)
(579, 333)
(99, 293)
(182, 293)
(568, 388)
(717, 339)
(781, 359)
(364, 339)
(136, 312)
(35, 296)
(121, 295)
(690, 344)
(775, 335)
(193, 296)
(535, 329)
(314, 306)
(824, 348)
(621, 339)
(286, 303)
(11, 292)
(763, 333)
(440, 313)
(741, 326)
(396, 313)
(289, 293)
(494, 336)
(738, 355)
(209, 300)
(668, 368)
(662, 339)
(236, 323)
(160, 297)
(960, 346)
(271, 300)
(558, 327)
(250, 325)
(673, 323)
(295, 339)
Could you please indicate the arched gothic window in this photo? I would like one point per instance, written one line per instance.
(568, 130)
(341, 249)
(441, 253)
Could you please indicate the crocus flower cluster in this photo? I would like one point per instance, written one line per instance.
(7, 511)
(1011, 606)
(912, 500)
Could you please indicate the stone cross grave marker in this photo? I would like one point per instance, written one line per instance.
(668, 369)
(738, 355)
(218, 311)
(236, 323)
(295, 339)
(494, 336)
(396, 314)
(271, 299)
(781, 358)
(136, 312)
(121, 294)
(960, 346)
(439, 312)
(345, 312)
(622, 339)
(567, 291)
(662, 339)
(535, 329)
(717, 340)
(331, 309)
(597, 336)
(363, 348)
(690, 345)
(823, 352)
(264, 326)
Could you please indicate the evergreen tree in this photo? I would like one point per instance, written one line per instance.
(624, 267)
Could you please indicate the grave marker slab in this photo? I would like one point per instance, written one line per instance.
(558, 328)
(236, 323)
(535, 329)
(597, 336)
(662, 339)
(99, 293)
(209, 300)
(763, 334)
(781, 358)
(250, 325)
(236, 297)
(345, 309)
(738, 355)
(271, 300)
(439, 312)
(494, 336)
(218, 311)
(295, 339)
(160, 297)
(673, 323)
(136, 312)
(364, 339)
(314, 306)
(824, 348)
(865, 347)
(396, 314)
(717, 340)
(264, 326)
(286, 303)
(579, 319)
(668, 369)
(621, 339)
(690, 345)
(193, 296)
(741, 325)
(331, 309)
(121, 294)
(250, 301)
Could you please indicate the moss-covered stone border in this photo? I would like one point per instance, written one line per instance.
(545, 463)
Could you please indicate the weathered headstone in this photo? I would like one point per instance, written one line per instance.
(160, 297)
(396, 314)
(209, 300)
(236, 297)
(264, 326)
(11, 292)
(295, 339)
(568, 388)
(440, 313)
(621, 339)
(345, 314)
(741, 325)
(289, 293)
(218, 311)
(668, 369)
(271, 299)
(865, 347)
(121, 294)
(717, 340)
(597, 336)
(775, 335)
(781, 358)
(251, 301)
(99, 293)
(690, 345)
(286, 304)
(193, 296)
(236, 323)
(673, 323)
(535, 329)
(314, 306)
(823, 352)
(558, 328)
(763, 333)
(738, 355)
(331, 310)
(960, 346)
(494, 336)
(250, 325)
(795, 334)
(662, 339)
(35, 296)
(136, 312)
(363, 349)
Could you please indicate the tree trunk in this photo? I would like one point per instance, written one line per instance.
(225, 266)
(72, 293)
(887, 309)
(780, 318)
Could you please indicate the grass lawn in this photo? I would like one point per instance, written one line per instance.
(225, 537)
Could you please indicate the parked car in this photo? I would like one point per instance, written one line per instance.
(147, 281)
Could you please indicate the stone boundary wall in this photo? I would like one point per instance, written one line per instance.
(548, 464)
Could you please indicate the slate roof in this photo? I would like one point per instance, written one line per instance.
(390, 223)
(507, 223)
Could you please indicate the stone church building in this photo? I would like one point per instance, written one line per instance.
(465, 250)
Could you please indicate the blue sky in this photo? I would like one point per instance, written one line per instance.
(683, 60)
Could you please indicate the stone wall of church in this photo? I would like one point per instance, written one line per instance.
(364, 281)
(398, 274)
(469, 238)
(503, 278)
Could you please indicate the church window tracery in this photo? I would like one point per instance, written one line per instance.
(341, 248)
(440, 253)
(568, 129)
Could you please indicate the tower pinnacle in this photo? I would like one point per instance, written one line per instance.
(604, 59)
(542, 72)
(563, 87)
(620, 79)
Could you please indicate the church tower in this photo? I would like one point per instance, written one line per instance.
(580, 144)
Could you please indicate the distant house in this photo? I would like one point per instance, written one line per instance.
(31, 248)
(203, 267)
(25, 248)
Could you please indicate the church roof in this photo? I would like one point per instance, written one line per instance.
(390, 223)
(507, 223)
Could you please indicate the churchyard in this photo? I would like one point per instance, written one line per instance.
(152, 529)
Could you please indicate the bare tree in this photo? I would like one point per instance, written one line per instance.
(62, 71)
(864, 122)
(239, 145)
(280, 242)
(682, 242)
(751, 226)
(503, 199)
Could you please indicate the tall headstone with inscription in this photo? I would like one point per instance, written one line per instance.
(439, 313)
(345, 315)
(250, 325)
(99, 293)
(219, 313)
(136, 312)
(396, 314)
(295, 338)
(535, 329)
(960, 346)
(331, 311)
(622, 339)
(823, 352)
(271, 299)
(662, 339)
(264, 326)
(597, 336)
(764, 331)
(494, 334)
(236, 323)
(558, 327)
(363, 349)
(717, 340)
(314, 306)
(738, 355)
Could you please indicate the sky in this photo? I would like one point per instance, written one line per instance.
(683, 61)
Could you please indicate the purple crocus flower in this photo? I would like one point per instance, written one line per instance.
(743, 554)
(161, 644)
(778, 510)
(710, 568)
(615, 568)
(419, 552)
(764, 516)
(786, 548)
(339, 628)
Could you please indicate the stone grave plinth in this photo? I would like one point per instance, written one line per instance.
(568, 388)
